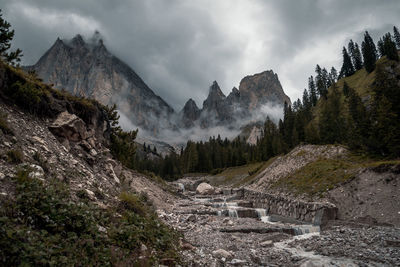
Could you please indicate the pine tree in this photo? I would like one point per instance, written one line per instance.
(396, 36)
(389, 47)
(312, 91)
(381, 48)
(6, 36)
(347, 67)
(358, 121)
(306, 100)
(385, 138)
(325, 79)
(332, 127)
(369, 52)
(320, 81)
(356, 57)
(333, 75)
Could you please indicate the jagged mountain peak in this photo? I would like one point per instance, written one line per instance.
(260, 88)
(78, 41)
(215, 96)
(216, 90)
(190, 104)
(189, 114)
(85, 67)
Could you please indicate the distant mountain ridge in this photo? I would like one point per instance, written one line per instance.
(87, 68)
(254, 92)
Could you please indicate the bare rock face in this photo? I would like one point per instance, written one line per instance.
(241, 104)
(205, 189)
(89, 69)
(260, 89)
(189, 114)
(69, 126)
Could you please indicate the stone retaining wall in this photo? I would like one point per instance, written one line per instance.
(317, 213)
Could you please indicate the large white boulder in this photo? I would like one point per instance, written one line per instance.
(205, 189)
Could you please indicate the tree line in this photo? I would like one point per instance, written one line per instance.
(326, 114)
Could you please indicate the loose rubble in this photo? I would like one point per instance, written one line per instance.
(226, 240)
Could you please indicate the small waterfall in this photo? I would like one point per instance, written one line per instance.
(261, 213)
(306, 229)
(266, 219)
(233, 213)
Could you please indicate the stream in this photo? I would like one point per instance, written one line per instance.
(226, 231)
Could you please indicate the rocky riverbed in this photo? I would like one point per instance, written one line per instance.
(217, 233)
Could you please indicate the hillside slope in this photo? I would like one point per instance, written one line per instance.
(360, 187)
(59, 184)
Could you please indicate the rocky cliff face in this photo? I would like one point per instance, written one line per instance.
(261, 88)
(189, 114)
(89, 69)
(241, 104)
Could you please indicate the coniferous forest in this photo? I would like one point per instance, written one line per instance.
(331, 111)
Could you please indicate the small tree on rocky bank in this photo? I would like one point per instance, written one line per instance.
(6, 36)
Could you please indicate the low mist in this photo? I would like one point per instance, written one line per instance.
(197, 133)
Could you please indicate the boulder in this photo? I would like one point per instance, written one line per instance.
(69, 126)
(205, 189)
(36, 172)
(222, 253)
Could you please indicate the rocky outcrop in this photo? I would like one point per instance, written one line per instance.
(69, 126)
(189, 114)
(241, 104)
(260, 89)
(89, 69)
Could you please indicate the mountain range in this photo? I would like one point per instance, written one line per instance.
(89, 69)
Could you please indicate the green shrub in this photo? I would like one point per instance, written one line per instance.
(4, 124)
(41, 226)
(15, 156)
(82, 194)
(133, 203)
(29, 96)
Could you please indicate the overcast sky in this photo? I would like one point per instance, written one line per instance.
(180, 46)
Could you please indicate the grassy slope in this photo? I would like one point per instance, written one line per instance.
(241, 175)
(324, 174)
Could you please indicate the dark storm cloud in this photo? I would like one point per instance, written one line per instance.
(179, 47)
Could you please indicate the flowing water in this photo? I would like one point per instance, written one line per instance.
(313, 259)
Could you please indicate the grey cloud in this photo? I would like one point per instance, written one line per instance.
(179, 47)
